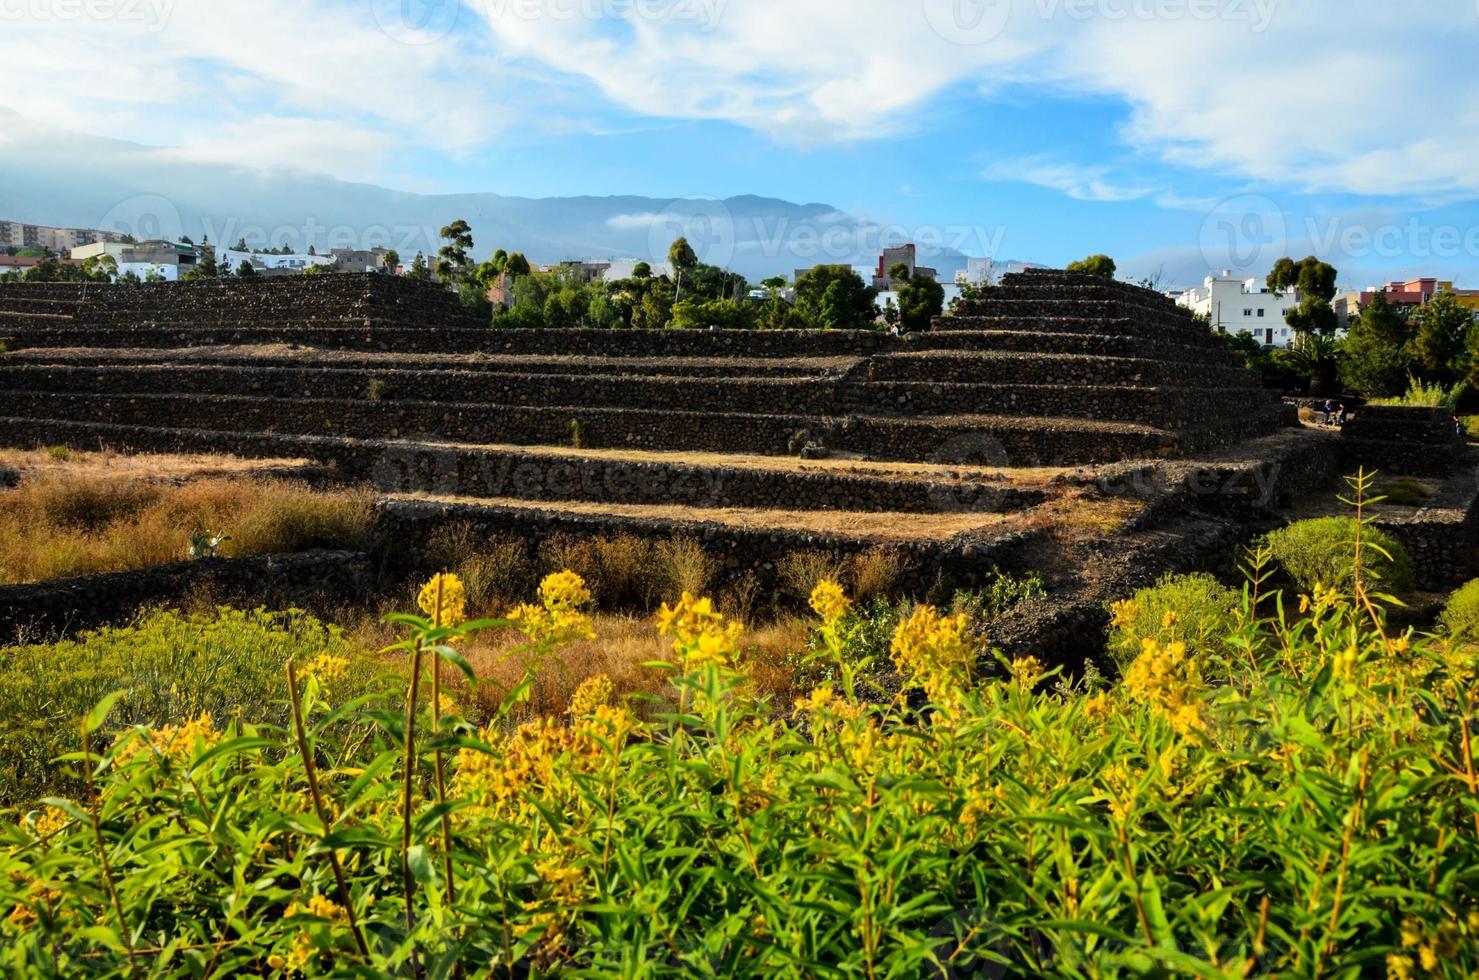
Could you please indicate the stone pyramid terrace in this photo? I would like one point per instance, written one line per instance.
(947, 440)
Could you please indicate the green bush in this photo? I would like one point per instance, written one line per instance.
(1196, 610)
(174, 667)
(1404, 492)
(1461, 616)
(1322, 552)
(1294, 818)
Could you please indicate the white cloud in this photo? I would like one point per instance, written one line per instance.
(1078, 182)
(1322, 94)
(225, 81)
(633, 222)
(1364, 96)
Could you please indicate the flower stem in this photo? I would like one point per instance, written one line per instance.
(345, 898)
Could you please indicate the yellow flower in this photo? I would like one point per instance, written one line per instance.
(1170, 620)
(327, 668)
(1125, 612)
(452, 610)
(557, 618)
(50, 821)
(564, 590)
(932, 650)
(1400, 967)
(592, 694)
(1170, 681)
(1097, 707)
(174, 743)
(700, 634)
(820, 699)
(829, 601)
(1027, 672)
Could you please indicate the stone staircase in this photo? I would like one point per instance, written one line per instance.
(389, 380)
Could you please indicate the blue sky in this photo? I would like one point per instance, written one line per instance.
(1177, 135)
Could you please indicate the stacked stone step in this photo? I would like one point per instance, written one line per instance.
(1157, 364)
(210, 312)
(549, 475)
(1397, 440)
(1103, 388)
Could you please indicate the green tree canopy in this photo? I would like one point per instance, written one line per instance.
(453, 262)
(1439, 344)
(921, 299)
(1095, 265)
(851, 306)
(1377, 362)
(682, 257)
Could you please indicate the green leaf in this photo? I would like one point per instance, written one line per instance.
(421, 865)
(1155, 912)
(100, 712)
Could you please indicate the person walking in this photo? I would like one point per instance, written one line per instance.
(1329, 410)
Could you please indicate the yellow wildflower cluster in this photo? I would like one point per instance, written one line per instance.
(1124, 613)
(980, 802)
(557, 618)
(318, 907)
(1169, 680)
(1321, 602)
(829, 601)
(174, 743)
(564, 590)
(594, 693)
(932, 650)
(452, 610)
(1432, 950)
(50, 821)
(37, 895)
(327, 668)
(542, 753)
(700, 634)
(1027, 672)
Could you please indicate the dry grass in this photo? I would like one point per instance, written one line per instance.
(167, 467)
(883, 526)
(1079, 513)
(873, 574)
(624, 644)
(65, 523)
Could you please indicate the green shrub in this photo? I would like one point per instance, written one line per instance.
(1404, 492)
(301, 520)
(174, 667)
(1196, 610)
(1422, 395)
(1305, 816)
(59, 453)
(1461, 616)
(1005, 593)
(1322, 552)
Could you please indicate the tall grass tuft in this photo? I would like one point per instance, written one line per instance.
(60, 525)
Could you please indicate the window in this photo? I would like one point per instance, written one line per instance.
(1260, 314)
(1247, 312)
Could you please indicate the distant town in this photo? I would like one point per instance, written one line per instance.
(1236, 304)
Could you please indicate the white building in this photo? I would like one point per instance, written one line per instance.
(619, 269)
(1241, 305)
(156, 260)
(231, 260)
